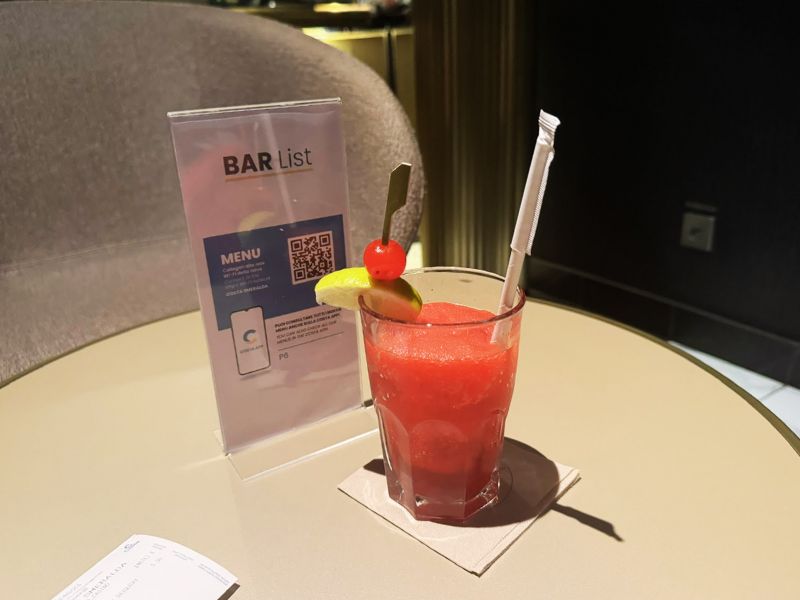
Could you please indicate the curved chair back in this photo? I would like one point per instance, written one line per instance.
(92, 233)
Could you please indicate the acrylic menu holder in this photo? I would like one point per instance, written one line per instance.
(265, 194)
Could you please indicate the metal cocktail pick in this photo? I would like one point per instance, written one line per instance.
(396, 198)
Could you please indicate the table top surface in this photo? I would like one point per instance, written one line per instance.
(701, 489)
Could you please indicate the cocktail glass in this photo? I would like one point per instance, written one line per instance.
(442, 392)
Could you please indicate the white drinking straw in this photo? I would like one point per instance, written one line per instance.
(528, 216)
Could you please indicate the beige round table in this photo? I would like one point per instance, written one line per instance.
(702, 491)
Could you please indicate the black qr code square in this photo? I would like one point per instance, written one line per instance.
(311, 256)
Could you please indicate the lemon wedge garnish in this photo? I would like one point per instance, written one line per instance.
(396, 299)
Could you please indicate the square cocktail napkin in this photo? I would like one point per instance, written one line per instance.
(530, 483)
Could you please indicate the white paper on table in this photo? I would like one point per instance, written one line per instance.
(145, 567)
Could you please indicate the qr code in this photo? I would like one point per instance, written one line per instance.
(311, 256)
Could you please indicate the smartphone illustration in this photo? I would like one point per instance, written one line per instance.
(250, 340)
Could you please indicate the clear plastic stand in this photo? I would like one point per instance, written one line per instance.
(301, 444)
(265, 225)
(298, 445)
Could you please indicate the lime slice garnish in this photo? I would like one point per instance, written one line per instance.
(395, 299)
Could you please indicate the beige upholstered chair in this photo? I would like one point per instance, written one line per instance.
(92, 234)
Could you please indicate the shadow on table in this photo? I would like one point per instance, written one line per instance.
(231, 591)
(586, 519)
(529, 484)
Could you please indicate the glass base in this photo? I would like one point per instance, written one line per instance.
(452, 510)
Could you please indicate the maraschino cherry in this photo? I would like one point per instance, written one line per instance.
(384, 258)
(384, 261)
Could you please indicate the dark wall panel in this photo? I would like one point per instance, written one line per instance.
(668, 108)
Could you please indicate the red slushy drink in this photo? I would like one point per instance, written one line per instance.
(442, 389)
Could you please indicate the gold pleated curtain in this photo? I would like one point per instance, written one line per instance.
(475, 124)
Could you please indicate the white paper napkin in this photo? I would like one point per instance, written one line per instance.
(530, 483)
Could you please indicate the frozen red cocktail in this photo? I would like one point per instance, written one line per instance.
(442, 388)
